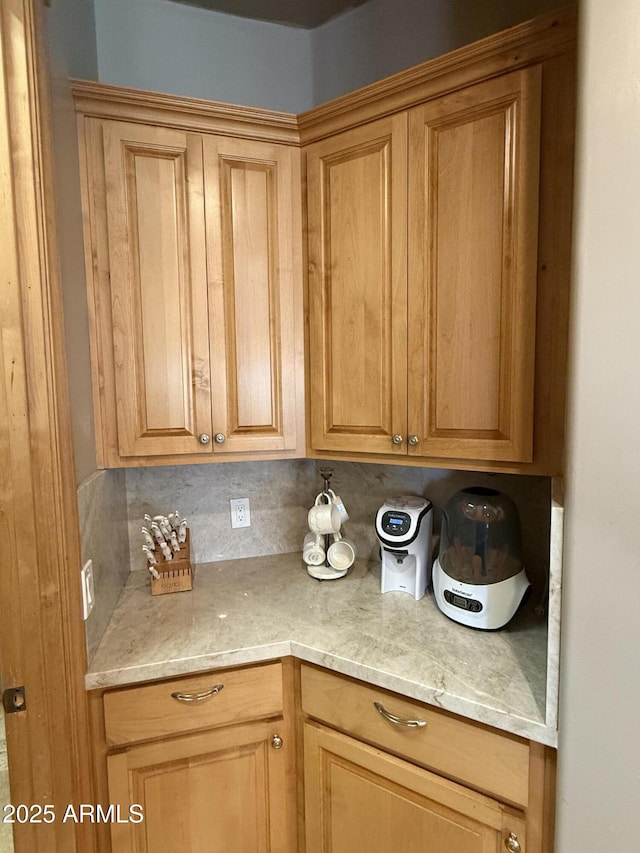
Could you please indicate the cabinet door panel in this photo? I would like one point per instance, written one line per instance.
(359, 799)
(222, 791)
(473, 208)
(357, 288)
(155, 221)
(252, 219)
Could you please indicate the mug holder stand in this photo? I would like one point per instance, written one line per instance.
(326, 572)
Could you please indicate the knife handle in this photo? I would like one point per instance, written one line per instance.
(148, 539)
(158, 534)
(149, 555)
(182, 531)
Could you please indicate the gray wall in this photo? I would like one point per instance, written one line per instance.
(168, 47)
(184, 50)
(385, 36)
(599, 781)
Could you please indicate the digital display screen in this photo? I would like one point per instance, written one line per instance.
(459, 601)
(396, 523)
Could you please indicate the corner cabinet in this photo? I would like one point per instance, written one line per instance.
(439, 248)
(390, 774)
(363, 800)
(195, 288)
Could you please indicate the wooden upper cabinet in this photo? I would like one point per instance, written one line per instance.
(357, 191)
(251, 193)
(477, 315)
(194, 262)
(422, 278)
(473, 213)
(157, 263)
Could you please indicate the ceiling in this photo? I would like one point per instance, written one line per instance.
(294, 13)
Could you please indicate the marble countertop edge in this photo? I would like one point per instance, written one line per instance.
(431, 695)
(138, 674)
(489, 715)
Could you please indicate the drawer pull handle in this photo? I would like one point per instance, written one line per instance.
(198, 697)
(398, 721)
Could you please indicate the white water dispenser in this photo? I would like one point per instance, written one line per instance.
(403, 528)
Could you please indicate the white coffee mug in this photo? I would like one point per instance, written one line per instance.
(313, 549)
(341, 553)
(324, 518)
(336, 500)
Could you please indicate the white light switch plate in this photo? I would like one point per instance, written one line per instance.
(88, 590)
(240, 512)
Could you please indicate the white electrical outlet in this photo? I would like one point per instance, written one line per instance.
(240, 512)
(88, 590)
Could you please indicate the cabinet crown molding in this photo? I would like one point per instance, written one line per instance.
(508, 50)
(101, 100)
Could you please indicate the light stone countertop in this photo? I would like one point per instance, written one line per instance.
(260, 608)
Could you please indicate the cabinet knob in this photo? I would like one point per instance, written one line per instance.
(220, 438)
(512, 844)
(277, 742)
(204, 438)
(413, 440)
(397, 439)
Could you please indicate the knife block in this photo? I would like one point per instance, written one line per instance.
(175, 575)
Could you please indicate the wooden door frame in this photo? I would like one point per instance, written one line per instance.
(42, 644)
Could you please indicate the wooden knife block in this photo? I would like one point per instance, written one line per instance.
(175, 575)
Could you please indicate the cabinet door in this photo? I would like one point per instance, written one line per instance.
(358, 800)
(357, 288)
(473, 212)
(157, 261)
(253, 227)
(224, 791)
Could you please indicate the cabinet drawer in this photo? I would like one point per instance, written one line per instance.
(460, 749)
(151, 711)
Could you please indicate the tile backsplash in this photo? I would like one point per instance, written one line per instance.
(112, 506)
(281, 492)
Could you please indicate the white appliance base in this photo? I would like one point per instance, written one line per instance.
(326, 573)
(496, 603)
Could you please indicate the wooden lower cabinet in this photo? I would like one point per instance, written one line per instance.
(359, 800)
(384, 773)
(222, 791)
(208, 761)
(286, 757)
